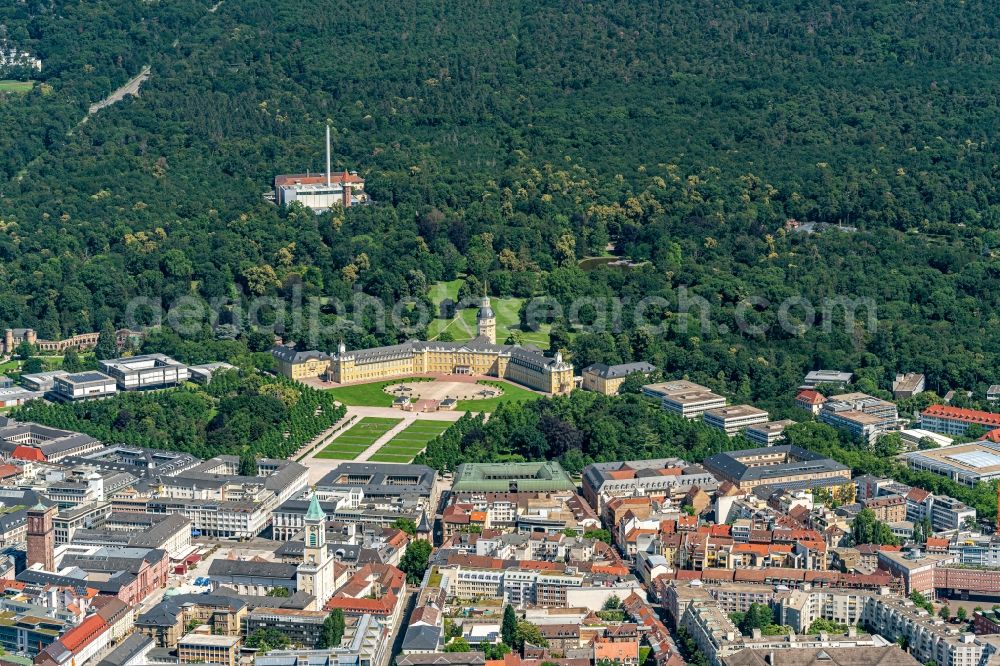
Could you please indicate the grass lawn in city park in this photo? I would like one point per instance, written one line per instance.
(370, 395)
(16, 86)
(511, 393)
(463, 325)
(357, 438)
(410, 441)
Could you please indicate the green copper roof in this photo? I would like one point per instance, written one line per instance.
(512, 477)
(315, 511)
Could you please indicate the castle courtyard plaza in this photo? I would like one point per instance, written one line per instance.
(441, 389)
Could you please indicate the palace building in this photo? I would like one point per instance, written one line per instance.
(479, 356)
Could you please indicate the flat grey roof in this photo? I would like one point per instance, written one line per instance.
(381, 481)
(735, 411)
(252, 569)
(804, 462)
(620, 370)
(90, 377)
(772, 426)
(821, 376)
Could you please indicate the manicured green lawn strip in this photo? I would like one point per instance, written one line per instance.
(511, 393)
(416, 437)
(411, 440)
(379, 457)
(358, 437)
(338, 455)
(344, 449)
(401, 449)
(378, 420)
(424, 426)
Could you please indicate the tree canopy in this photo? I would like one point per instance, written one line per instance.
(780, 151)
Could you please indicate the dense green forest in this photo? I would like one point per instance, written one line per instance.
(509, 140)
(238, 414)
(578, 429)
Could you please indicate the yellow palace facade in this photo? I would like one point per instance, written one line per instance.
(480, 356)
(477, 357)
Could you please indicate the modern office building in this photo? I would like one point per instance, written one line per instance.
(14, 396)
(948, 513)
(83, 517)
(691, 404)
(204, 373)
(200, 648)
(41, 381)
(735, 418)
(303, 627)
(139, 462)
(215, 518)
(769, 433)
(662, 389)
(150, 371)
(219, 479)
(382, 483)
(834, 377)
(83, 386)
(883, 410)
(864, 416)
(864, 427)
(365, 643)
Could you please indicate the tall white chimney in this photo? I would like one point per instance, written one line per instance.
(328, 155)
